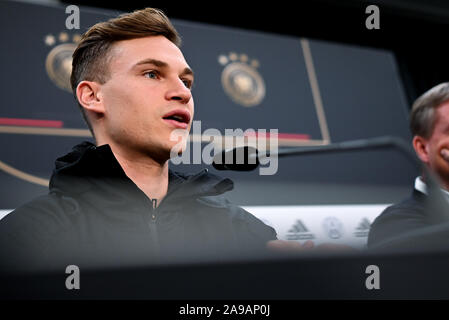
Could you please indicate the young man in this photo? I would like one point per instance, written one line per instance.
(429, 124)
(117, 202)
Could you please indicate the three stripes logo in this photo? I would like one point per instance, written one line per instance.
(363, 228)
(299, 232)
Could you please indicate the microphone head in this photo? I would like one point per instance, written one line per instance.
(237, 159)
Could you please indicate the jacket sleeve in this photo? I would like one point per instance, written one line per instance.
(27, 232)
(394, 221)
(251, 231)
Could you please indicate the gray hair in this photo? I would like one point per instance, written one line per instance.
(422, 115)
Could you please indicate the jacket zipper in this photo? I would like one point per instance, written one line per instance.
(152, 225)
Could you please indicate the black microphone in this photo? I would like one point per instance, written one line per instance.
(237, 159)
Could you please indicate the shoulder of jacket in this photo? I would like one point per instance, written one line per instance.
(407, 212)
(215, 201)
(408, 206)
(240, 216)
(48, 213)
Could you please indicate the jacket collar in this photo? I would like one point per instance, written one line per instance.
(75, 172)
(421, 186)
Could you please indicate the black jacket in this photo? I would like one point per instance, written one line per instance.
(399, 219)
(94, 215)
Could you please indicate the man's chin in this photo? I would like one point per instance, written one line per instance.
(178, 146)
(176, 152)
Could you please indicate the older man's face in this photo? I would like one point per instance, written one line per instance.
(147, 96)
(437, 146)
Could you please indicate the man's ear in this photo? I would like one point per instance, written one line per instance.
(420, 145)
(90, 97)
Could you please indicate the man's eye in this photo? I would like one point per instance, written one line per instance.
(188, 83)
(151, 74)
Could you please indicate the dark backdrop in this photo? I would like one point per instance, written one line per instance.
(414, 30)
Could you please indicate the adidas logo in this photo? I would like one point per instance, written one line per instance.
(363, 228)
(299, 232)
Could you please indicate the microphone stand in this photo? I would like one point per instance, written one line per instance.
(361, 144)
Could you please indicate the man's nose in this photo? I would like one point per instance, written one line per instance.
(178, 91)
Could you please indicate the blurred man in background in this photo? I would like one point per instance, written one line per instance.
(429, 124)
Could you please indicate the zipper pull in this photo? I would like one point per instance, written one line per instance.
(153, 213)
(154, 203)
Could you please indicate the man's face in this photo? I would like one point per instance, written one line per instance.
(149, 80)
(438, 141)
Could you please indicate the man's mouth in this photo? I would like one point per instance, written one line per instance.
(179, 118)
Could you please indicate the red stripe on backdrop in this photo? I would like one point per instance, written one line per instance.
(31, 123)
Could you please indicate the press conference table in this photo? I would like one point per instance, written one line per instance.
(325, 275)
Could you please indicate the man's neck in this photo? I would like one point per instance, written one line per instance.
(149, 175)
